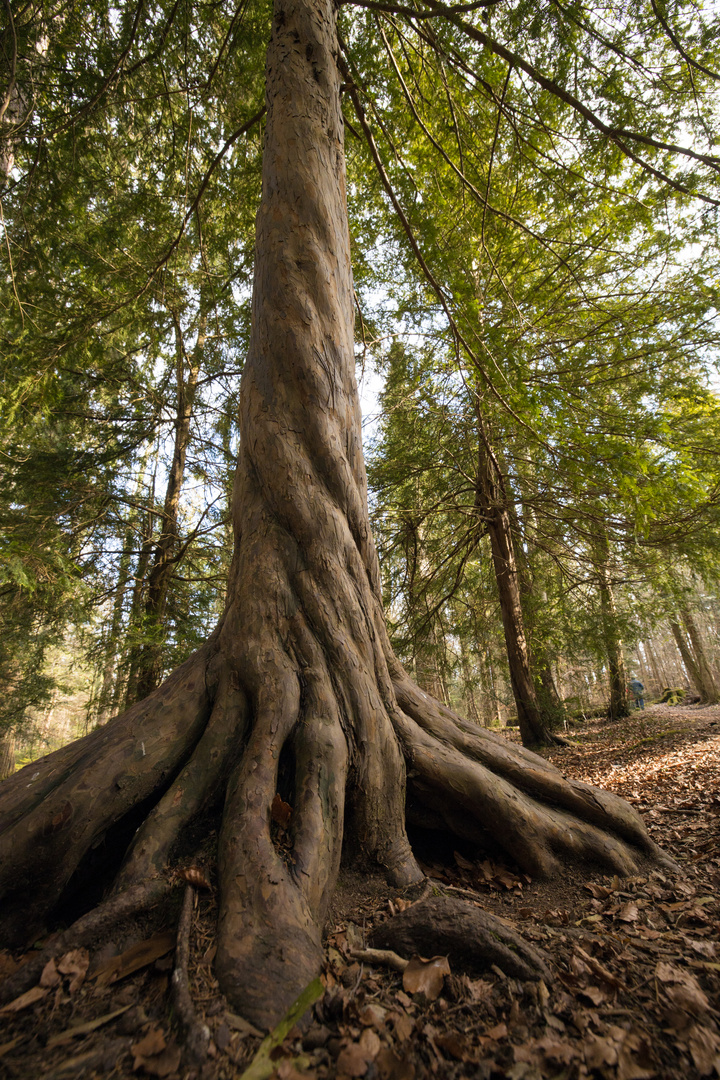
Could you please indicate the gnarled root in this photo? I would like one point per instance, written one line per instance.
(472, 939)
(89, 786)
(84, 931)
(197, 1034)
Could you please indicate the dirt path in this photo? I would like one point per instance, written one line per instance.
(635, 991)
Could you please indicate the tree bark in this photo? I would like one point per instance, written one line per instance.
(7, 754)
(708, 688)
(617, 703)
(492, 504)
(149, 666)
(297, 691)
(688, 659)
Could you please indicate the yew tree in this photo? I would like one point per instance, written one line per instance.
(297, 690)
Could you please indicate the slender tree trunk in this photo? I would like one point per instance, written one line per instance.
(618, 703)
(110, 674)
(148, 667)
(644, 677)
(468, 680)
(135, 618)
(549, 704)
(653, 661)
(300, 669)
(492, 505)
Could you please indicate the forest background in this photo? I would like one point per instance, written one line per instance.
(536, 290)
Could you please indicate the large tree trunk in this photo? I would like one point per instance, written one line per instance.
(297, 690)
(550, 707)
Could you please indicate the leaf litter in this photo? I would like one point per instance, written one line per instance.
(634, 993)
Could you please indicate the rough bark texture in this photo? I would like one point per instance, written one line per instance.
(7, 754)
(297, 690)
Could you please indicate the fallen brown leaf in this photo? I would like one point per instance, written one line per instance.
(392, 1067)
(456, 1046)
(50, 975)
(426, 976)
(281, 812)
(373, 1016)
(164, 1064)
(74, 964)
(133, 959)
(195, 876)
(705, 1050)
(354, 1058)
(628, 912)
(403, 1025)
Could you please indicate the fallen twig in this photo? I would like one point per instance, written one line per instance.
(598, 968)
(386, 957)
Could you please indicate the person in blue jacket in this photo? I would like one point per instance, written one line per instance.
(638, 691)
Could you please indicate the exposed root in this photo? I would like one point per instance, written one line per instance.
(273, 903)
(198, 783)
(472, 939)
(197, 1034)
(478, 783)
(82, 932)
(110, 772)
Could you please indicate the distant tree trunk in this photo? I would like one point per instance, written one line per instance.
(492, 505)
(644, 677)
(7, 754)
(135, 619)
(618, 703)
(707, 686)
(107, 695)
(654, 664)
(491, 692)
(149, 667)
(468, 680)
(691, 668)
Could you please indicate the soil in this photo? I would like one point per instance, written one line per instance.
(634, 992)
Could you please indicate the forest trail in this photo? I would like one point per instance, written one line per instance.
(634, 993)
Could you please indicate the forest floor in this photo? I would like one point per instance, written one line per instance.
(634, 993)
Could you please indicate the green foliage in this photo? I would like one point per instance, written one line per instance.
(533, 255)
